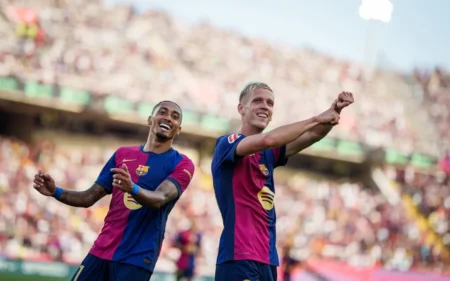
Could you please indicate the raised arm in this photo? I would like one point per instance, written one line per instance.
(320, 131)
(45, 185)
(169, 190)
(284, 134)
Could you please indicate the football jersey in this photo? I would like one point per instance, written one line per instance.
(133, 233)
(245, 191)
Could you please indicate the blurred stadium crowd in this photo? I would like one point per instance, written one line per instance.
(327, 219)
(112, 50)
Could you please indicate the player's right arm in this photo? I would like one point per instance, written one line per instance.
(45, 185)
(85, 198)
(283, 135)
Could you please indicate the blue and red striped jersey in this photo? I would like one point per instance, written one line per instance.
(245, 191)
(133, 233)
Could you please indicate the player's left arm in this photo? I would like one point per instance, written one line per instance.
(320, 131)
(170, 189)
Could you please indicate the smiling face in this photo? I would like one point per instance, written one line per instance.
(165, 123)
(256, 108)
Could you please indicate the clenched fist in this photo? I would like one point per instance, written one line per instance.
(344, 99)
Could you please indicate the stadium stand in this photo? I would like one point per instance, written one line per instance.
(110, 49)
(90, 52)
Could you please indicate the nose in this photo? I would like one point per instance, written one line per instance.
(167, 119)
(264, 106)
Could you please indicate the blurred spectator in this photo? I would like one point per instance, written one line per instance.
(337, 220)
(431, 195)
(109, 49)
(445, 163)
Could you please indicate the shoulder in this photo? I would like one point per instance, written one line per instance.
(124, 152)
(180, 157)
(182, 160)
(228, 139)
(128, 149)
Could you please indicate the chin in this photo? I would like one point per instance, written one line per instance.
(260, 126)
(162, 137)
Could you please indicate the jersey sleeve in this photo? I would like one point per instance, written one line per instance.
(279, 154)
(182, 175)
(105, 178)
(226, 148)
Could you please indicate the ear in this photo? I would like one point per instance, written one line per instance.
(178, 131)
(240, 108)
(149, 120)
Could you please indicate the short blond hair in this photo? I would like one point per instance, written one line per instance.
(251, 87)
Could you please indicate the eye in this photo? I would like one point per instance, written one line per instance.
(175, 116)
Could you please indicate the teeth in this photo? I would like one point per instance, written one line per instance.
(262, 115)
(164, 126)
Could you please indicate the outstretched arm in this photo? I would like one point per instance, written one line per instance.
(284, 134)
(84, 198)
(45, 185)
(320, 131)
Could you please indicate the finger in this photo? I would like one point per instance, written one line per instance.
(118, 186)
(47, 177)
(344, 104)
(125, 167)
(349, 96)
(38, 178)
(37, 181)
(335, 120)
(40, 173)
(119, 171)
(120, 177)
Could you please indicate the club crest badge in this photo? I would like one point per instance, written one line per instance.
(264, 169)
(142, 170)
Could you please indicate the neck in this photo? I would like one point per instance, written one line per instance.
(156, 146)
(249, 130)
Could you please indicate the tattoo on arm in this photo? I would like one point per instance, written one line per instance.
(166, 192)
(84, 198)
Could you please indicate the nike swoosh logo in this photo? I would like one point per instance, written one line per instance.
(128, 160)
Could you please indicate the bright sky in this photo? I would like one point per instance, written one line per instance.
(417, 35)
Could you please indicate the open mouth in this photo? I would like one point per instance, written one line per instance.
(164, 127)
(262, 115)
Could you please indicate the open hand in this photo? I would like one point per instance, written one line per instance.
(344, 99)
(122, 179)
(44, 184)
